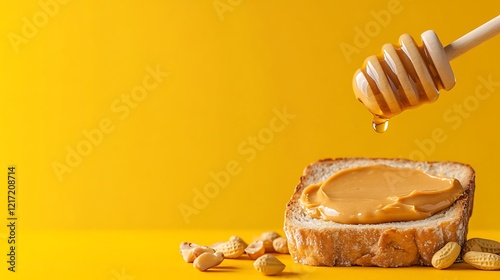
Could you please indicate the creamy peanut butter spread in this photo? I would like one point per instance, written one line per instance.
(379, 193)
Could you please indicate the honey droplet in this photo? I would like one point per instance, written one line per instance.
(380, 124)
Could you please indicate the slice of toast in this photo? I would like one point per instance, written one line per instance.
(319, 242)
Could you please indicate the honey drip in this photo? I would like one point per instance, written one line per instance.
(380, 125)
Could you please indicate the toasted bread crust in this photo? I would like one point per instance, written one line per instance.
(317, 242)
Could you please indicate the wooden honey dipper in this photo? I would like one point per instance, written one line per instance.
(408, 75)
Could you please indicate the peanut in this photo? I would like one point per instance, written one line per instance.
(187, 251)
(239, 239)
(267, 238)
(269, 235)
(446, 256)
(482, 260)
(268, 246)
(269, 265)
(216, 244)
(280, 245)
(187, 255)
(200, 250)
(482, 245)
(208, 260)
(188, 245)
(255, 249)
(231, 249)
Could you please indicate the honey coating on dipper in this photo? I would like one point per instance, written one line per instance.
(402, 77)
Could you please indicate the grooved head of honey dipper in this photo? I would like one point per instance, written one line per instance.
(404, 76)
(365, 93)
(435, 52)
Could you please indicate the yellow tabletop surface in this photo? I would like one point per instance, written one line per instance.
(135, 255)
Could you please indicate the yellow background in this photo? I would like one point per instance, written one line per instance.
(229, 72)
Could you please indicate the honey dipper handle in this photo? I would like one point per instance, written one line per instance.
(470, 40)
